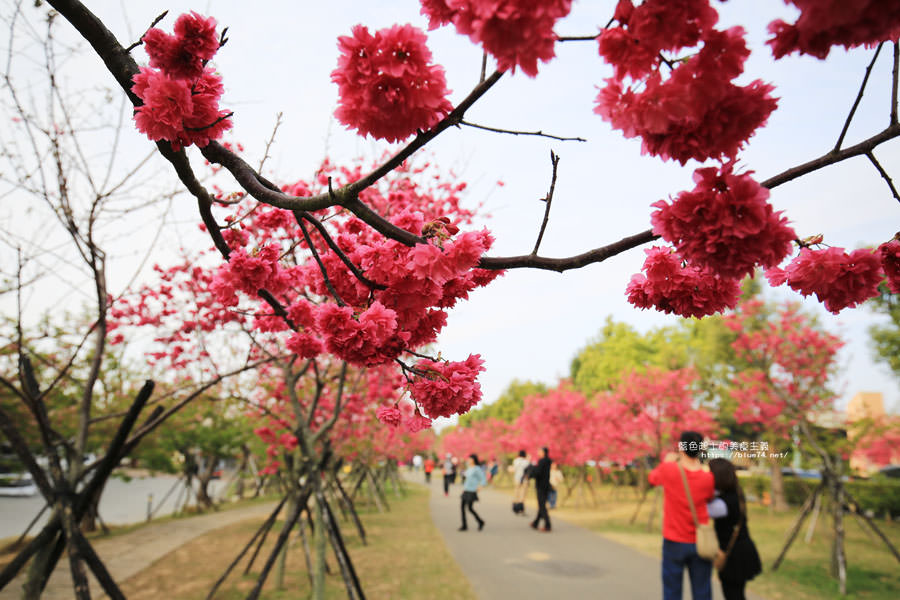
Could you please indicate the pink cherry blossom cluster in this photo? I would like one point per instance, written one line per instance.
(517, 33)
(725, 223)
(671, 286)
(838, 279)
(179, 93)
(387, 86)
(447, 388)
(890, 262)
(695, 111)
(826, 23)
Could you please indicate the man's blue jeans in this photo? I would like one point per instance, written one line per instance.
(675, 557)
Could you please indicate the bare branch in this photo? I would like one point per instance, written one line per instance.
(895, 75)
(516, 132)
(152, 25)
(884, 175)
(548, 200)
(859, 95)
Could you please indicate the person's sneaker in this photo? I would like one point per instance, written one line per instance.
(534, 525)
(463, 529)
(480, 525)
(545, 529)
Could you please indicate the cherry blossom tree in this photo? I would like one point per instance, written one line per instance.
(381, 264)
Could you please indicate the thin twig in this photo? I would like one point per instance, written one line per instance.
(884, 175)
(548, 200)
(859, 95)
(516, 132)
(895, 75)
(271, 141)
(483, 67)
(578, 38)
(152, 25)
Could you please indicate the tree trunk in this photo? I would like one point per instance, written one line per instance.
(203, 478)
(320, 539)
(282, 558)
(778, 500)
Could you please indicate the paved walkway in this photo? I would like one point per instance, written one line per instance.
(510, 561)
(129, 553)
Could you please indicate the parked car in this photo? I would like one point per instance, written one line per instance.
(890, 471)
(17, 484)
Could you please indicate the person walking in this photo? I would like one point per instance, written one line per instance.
(676, 473)
(473, 480)
(541, 476)
(429, 467)
(520, 482)
(449, 471)
(556, 480)
(738, 556)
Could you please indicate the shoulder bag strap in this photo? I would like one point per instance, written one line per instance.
(687, 491)
(737, 526)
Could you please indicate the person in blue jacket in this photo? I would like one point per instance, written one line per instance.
(474, 479)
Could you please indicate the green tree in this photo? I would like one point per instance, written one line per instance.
(886, 337)
(508, 405)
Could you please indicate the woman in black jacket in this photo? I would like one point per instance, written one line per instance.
(743, 562)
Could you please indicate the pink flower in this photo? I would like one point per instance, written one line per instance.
(890, 262)
(183, 55)
(304, 345)
(387, 87)
(517, 33)
(389, 415)
(288, 440)
(416, 423)
(685, 290)
(839, 280)
(653, 26)
(725, 223)
(175, 111)
(448, 388)
(697, 112)
(265, 434)
(826, 23)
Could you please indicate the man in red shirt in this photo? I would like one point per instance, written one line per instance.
(679, 532)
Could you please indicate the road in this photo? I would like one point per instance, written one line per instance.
(123, 502)
(510, 561)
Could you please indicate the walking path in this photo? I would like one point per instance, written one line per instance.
(129, 553)
(510, 561)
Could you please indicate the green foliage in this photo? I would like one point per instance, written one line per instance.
(879, 495)
(886, 338)
(620, 349)
(508, 405)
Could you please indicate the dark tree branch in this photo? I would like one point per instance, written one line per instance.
(516, 132)
(322, 269)
(884, 175)
(565, 264)
(859, 95)
(835, 156)
(357, 272)
(548, 200)
(578, 38)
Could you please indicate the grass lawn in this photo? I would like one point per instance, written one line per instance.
(873, 572)
(405, 558)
